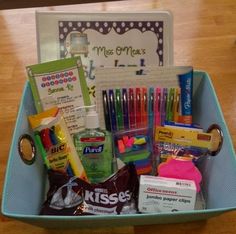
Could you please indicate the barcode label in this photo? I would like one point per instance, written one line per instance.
(184, 184)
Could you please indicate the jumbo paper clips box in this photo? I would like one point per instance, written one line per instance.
(24, 189)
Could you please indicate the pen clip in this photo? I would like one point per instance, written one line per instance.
(159, 101)
(152, 101)
(144, 107)
(131, 100)
(112, 110)
(176, 105)
(106, 110)
(145, 100)
(164, 106)
(171, 104)
(118, 109)
(125, 108)
(138, 108)
(138, 100)
(157, 107)
(150, 108)
(131, 108)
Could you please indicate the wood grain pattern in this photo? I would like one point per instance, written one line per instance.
(13, 4)
(204, 36)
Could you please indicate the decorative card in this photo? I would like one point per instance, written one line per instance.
(60, 83)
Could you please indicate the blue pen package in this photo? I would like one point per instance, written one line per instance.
(186, 85)
(134, 146)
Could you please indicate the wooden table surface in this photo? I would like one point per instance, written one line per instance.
(204, 37)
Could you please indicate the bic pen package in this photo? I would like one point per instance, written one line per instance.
(55, 144)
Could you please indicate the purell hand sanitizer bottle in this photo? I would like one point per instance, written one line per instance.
(94, 148)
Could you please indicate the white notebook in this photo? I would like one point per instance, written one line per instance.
(106, 39)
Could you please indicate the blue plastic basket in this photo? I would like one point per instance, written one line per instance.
(24, 188)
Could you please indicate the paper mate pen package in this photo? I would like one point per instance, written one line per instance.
(186, 85)
(55, 144)
(134, 146)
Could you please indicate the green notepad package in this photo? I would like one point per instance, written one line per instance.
(60, 83)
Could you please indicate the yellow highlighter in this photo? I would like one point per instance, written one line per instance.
(74, 160)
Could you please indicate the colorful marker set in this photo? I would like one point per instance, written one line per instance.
(166, 105)
(139, 107)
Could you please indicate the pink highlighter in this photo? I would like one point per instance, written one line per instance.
(180, 169)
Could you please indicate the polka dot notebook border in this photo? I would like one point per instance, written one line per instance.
(120, 27)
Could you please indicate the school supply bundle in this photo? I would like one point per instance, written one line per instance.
(103, 39)
(151, 127)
